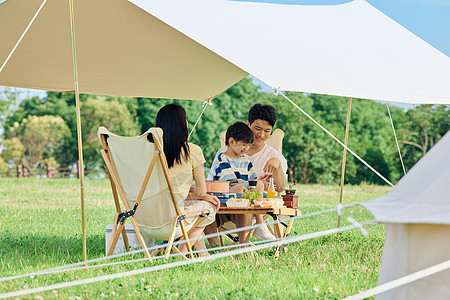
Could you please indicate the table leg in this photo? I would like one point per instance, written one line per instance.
(288, 230)
(278, 234)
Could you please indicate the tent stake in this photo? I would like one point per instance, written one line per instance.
(344, 157)
(80, 142)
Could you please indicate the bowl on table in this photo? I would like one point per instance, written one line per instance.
(290, 192)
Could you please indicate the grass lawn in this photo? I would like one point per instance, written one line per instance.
(41, 228)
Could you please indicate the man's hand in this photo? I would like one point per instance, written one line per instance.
(271, 165)
(265, 179)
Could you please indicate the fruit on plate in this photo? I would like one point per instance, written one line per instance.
(252, 195)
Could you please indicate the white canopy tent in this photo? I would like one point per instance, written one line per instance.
(195, 49)
(121, 51)
(350, 50)
(417, 217)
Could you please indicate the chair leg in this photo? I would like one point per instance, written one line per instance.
(125, 239)
(140, 237)
(113, 230)
(175, 249)
(188, 244)
(114, 238)
(200, 219)
(171, 238)
(154, 253)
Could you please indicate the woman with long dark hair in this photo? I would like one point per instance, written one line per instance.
(185, 161)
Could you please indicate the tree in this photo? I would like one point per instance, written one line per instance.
(8, 100)
(424, 126)
(100, 111)
(13, 150)
(40, 136)
(3, 166)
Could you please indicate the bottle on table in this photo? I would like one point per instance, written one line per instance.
(271, 189)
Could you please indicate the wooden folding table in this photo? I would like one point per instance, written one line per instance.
(274, 212)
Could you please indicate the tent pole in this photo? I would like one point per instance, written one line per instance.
(344, 157)
(80, 141)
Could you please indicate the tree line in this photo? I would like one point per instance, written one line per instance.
(42, 130)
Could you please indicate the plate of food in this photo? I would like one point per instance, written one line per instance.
(268, 202)
(238, 202)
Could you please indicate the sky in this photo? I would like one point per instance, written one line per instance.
(428, 19)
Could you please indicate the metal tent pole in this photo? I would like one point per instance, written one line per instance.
(80, 142)
(344, 157)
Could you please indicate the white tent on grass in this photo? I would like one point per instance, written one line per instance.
(417, 217)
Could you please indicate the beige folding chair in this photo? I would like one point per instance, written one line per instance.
(276, 141)
(138, 172)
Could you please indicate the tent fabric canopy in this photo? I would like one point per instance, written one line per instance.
(351, 50)
(121, 51)
(196, 49)
(422, 196)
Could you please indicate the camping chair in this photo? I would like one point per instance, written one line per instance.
(138, 172)
(276, 141)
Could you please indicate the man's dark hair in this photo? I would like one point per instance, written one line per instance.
(262, 112)
(240, 132)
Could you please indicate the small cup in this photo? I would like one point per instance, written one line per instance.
(252, 184)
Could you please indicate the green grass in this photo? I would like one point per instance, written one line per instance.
(41, 228)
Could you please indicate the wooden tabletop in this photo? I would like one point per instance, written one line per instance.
(276, 210)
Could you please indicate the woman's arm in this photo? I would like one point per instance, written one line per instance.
(200, 189)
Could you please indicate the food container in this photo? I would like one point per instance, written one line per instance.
(233, 203)
(216, 186)
(269, 202)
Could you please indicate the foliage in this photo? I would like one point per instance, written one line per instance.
(39, 136)
(13, 150)
(3, 166)
(424, 126)
(8, 99)
(98, 112)
(313, 156)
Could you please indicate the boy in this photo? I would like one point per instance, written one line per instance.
(267, 162)
(232, 164)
